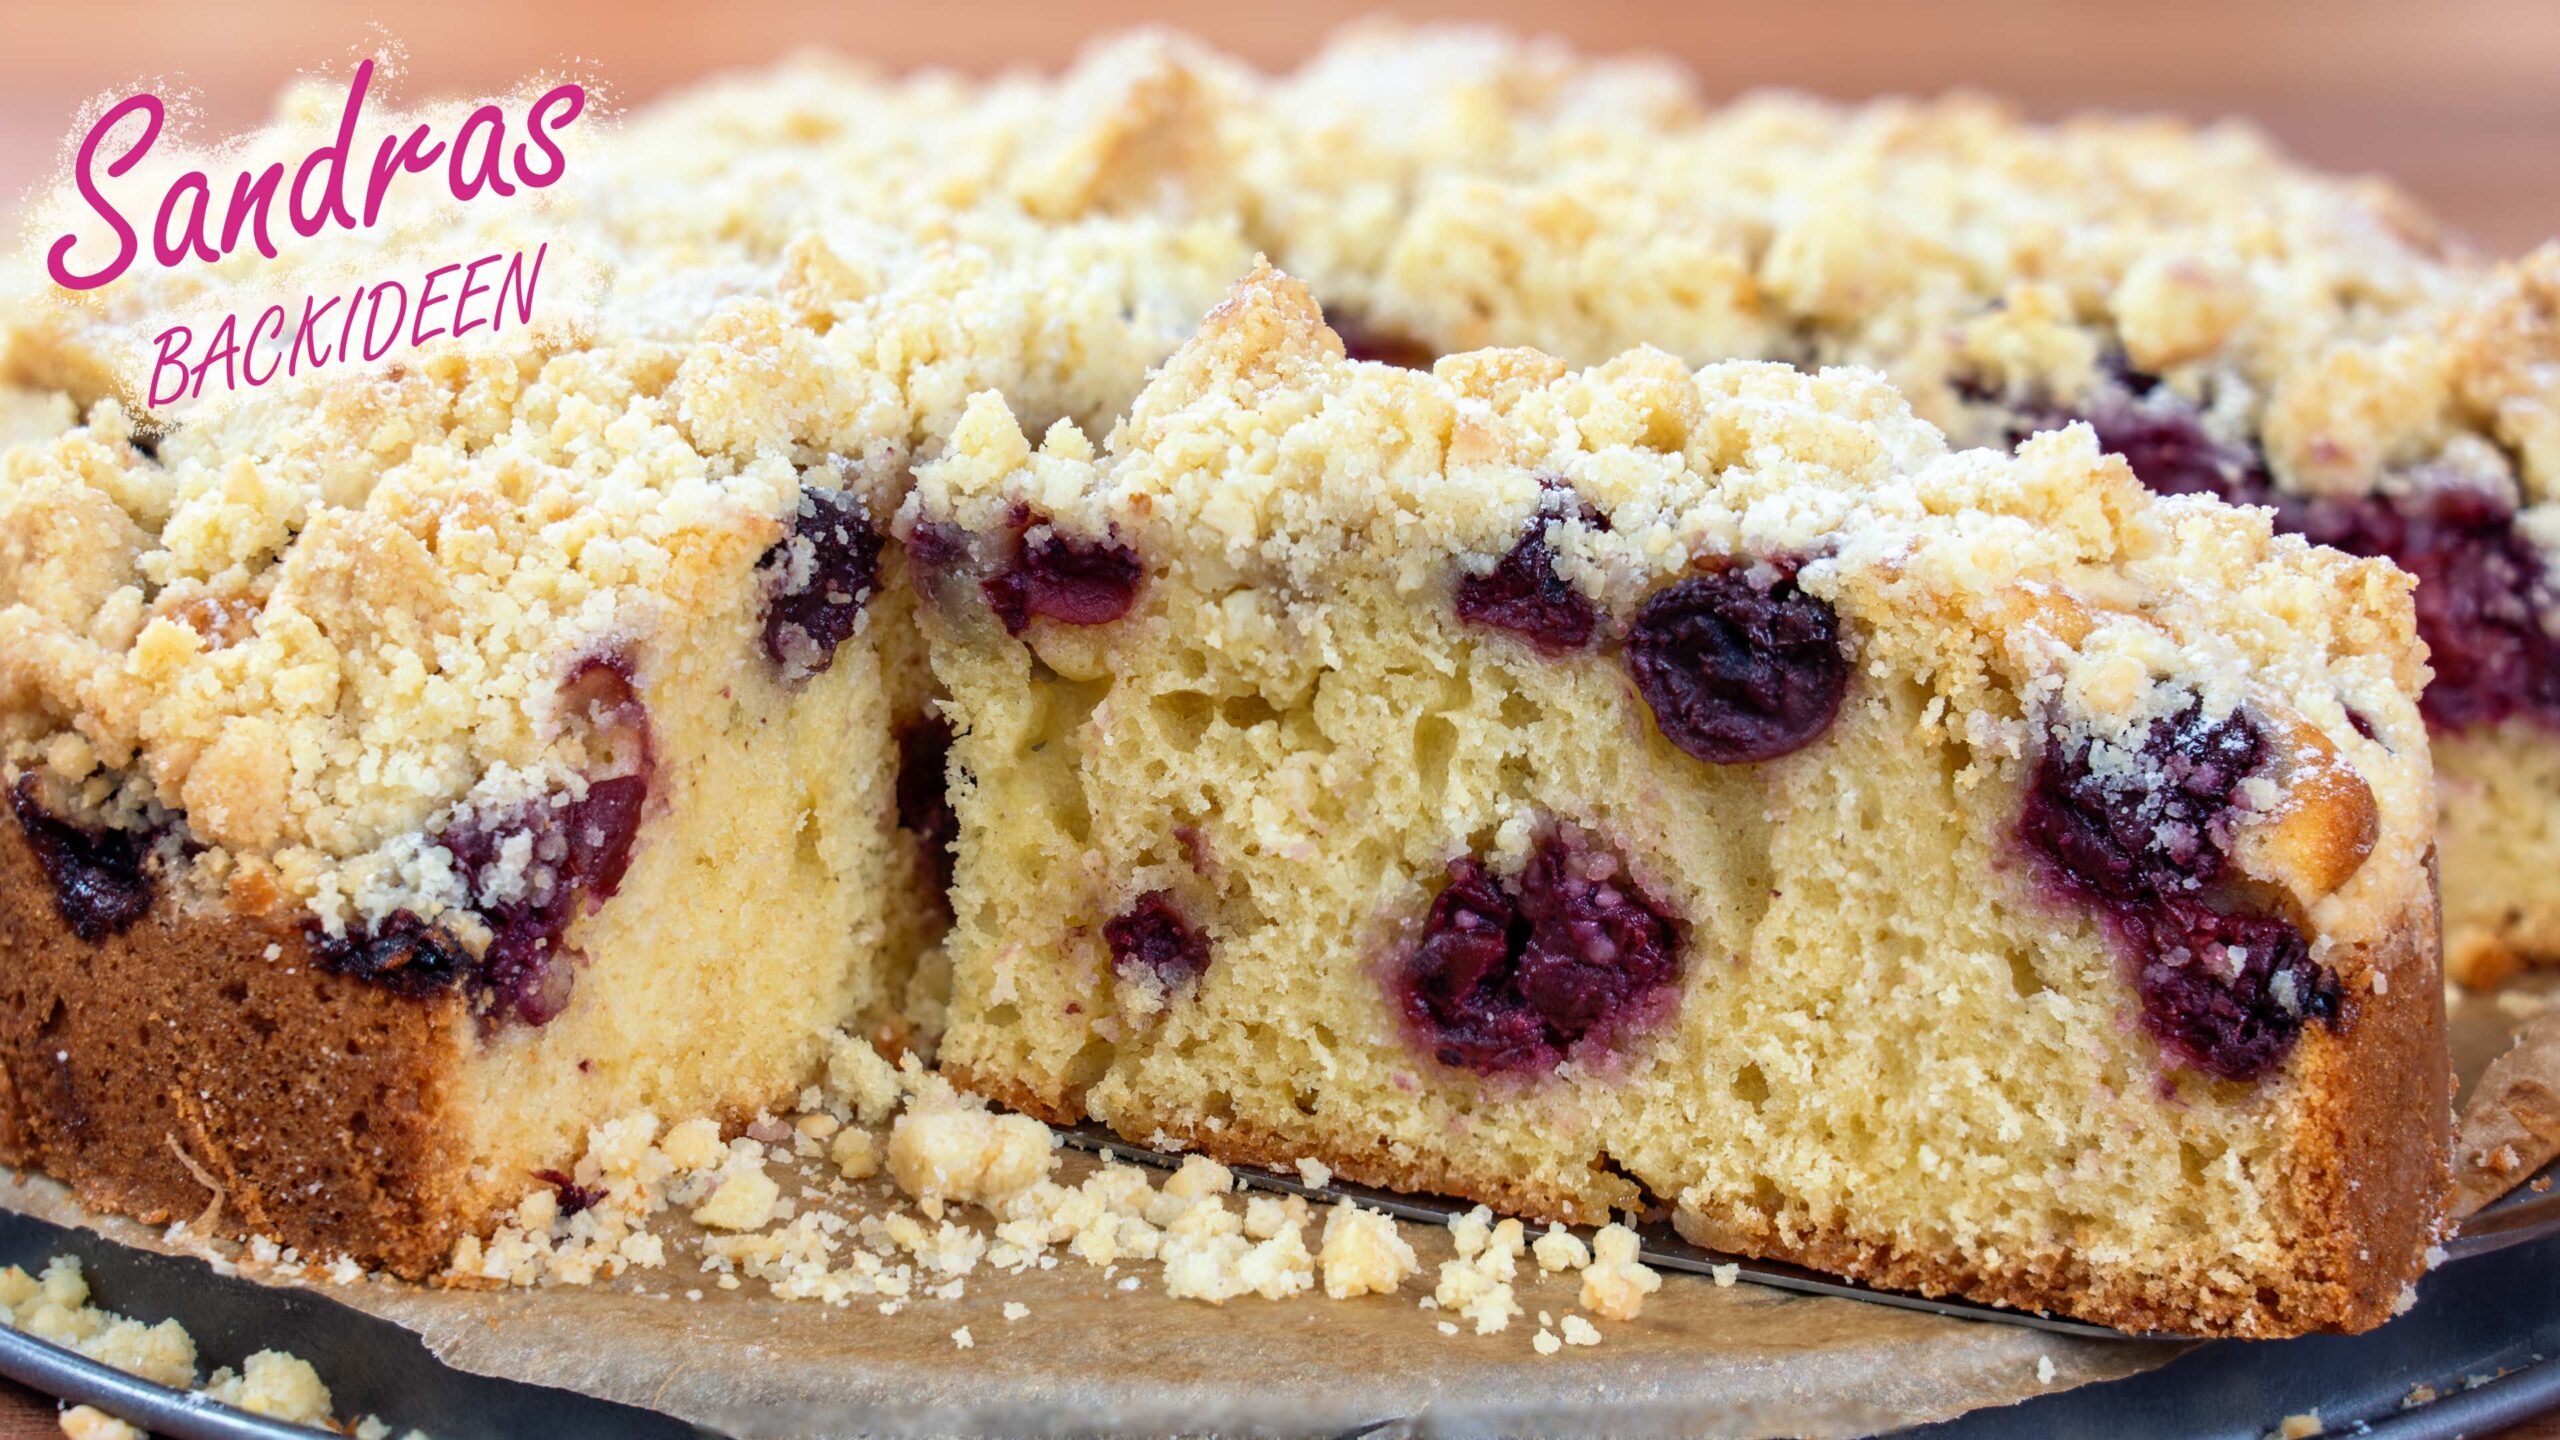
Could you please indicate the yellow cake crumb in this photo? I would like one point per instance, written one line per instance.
(1615, 1283)
(1364, 1253)
(855, 1154)
(858, 1076)
(275, 1384)
(1560, 1249)
(83, 1422)
(1477, 1284)
(945, 1148)
(746, 1195)
(694, 1145)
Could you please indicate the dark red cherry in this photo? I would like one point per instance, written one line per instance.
(2145, 839)
(101, 885)
(402, 953)
(817, 578)
(1738, 666)
(1524, 595)
(1512, 978)
(1152, 936)
(1061, 578)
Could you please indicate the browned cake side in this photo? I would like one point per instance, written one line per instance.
(175, 1064)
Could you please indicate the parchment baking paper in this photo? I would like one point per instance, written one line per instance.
(2509, 1124)
(1091, 1358)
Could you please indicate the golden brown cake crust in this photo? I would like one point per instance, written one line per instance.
(139, 1068)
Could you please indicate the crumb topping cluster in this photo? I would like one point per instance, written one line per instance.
(890, 1189)
(2045, 596)
(311, 627)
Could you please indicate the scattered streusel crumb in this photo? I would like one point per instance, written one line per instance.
(2300, 1427)
(274, 1384)
(1616, 1282)
(1546, 1343)
(962, 1338)
(1015, 1310)
(2044, 1370)
(1477, 1284)
(856, 1154)
(82, 1422)
(55, 1307)
(858, 1076)
(1578, 1331)
(1363, 1253)
(1314, 1172)
(745, 1197)
(947, 1147)
(1560, 1249)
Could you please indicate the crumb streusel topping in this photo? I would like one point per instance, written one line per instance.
(325, 620)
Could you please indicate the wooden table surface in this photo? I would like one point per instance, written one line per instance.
(2459, 100)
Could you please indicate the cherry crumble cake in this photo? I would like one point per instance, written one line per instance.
(1678, 777)
(1551, 787)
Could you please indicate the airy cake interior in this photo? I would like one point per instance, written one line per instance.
(460, 688)
(1221, 846)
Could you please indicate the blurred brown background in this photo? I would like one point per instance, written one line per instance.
(2459, 100)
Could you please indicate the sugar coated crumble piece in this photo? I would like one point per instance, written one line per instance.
(1477, 1284)
(746, 1195)
(1560, 1249)
(949, 1148)
(855, 1154)
(1363, 1253)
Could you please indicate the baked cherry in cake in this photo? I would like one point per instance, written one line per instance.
(2227, 990)
(403, 953)
(1152, 938)
(1524, 595)
(1512, 977)
(1738, 666)
(101, 884)
(1062, 578)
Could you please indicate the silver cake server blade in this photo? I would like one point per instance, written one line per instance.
(1661, 1246)
(2521, 1215)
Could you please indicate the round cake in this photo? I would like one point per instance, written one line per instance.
(1458, 613)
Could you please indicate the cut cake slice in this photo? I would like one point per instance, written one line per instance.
(1573, 789)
